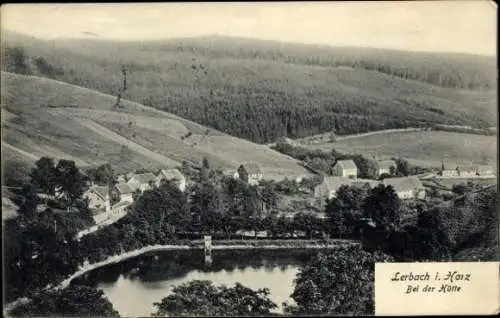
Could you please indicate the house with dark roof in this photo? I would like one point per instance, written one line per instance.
(330, 185)
(406, 187)
(125, 191)
(250, 173)
(345, 168)
(386, 167)
(142, 182)
(98, 197)
(172, 175)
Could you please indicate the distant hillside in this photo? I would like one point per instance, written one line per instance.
(423, 148)
(262, 90)
(44, 117)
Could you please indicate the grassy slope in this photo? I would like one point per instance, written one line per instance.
(423, 147)
(50, 117)
(161, 72)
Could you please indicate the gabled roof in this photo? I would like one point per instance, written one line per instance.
(334, 183)
(346, 164)
(101, 191)
(121, 204)
(143, 178)
(404, 183)
(386, 164)
(124, 188)
(252, 168)
(171, 174)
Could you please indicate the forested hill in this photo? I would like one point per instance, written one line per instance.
(262, 90)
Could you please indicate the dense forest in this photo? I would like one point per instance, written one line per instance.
(260, 90)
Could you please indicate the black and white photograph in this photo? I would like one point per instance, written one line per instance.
(244, 158)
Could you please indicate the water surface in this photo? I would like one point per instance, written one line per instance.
(135, 284)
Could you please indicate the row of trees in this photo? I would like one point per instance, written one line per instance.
(39, 245)
(15, 60)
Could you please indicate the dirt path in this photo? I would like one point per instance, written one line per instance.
(318, 139)
(103, 131)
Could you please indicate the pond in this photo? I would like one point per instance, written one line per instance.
(135, 284)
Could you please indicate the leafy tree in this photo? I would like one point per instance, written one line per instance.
(339, 283)
(28, 207)
(103, 175)
(43, 175)
(345, 209)
(46, 69)
(16, 61)
(164, 208)
(268, 195)
(402, 166)
(382, 205)
(70, 181)
(74, 300)
(202, 298)
(206, 202)
(367, 168)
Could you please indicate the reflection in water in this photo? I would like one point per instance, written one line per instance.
(135, 284)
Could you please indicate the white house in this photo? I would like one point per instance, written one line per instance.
(386, 167)
(143, 181)
(345, 168)
(98, 197)
(406, 187)
(172, 175)
(449, 170)
(484, 170)
(250, 173)
(125, 191)
(120, 207)
(467, 171)
(330, 185)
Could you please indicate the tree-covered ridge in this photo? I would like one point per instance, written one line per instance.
(247, 93)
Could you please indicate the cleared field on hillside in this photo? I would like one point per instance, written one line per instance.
(254, 90)
(62, 120)
(451, 182)
(422, 147)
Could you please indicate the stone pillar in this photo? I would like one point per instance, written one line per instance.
(208, 250)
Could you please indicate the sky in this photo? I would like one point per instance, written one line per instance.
(435, 26)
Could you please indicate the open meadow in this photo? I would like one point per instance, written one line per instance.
(51, 118)
(425, 148)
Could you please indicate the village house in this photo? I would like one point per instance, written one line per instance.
(98, 197)
(345, 168)
(125, 192)
(449, 170)
(142, 182)
(120, 207)
(406, 187)
(250, 173)
(172, 175)
(467, 171)
(484, 170)
(121, 178)
(330, 185)
(386, 167)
